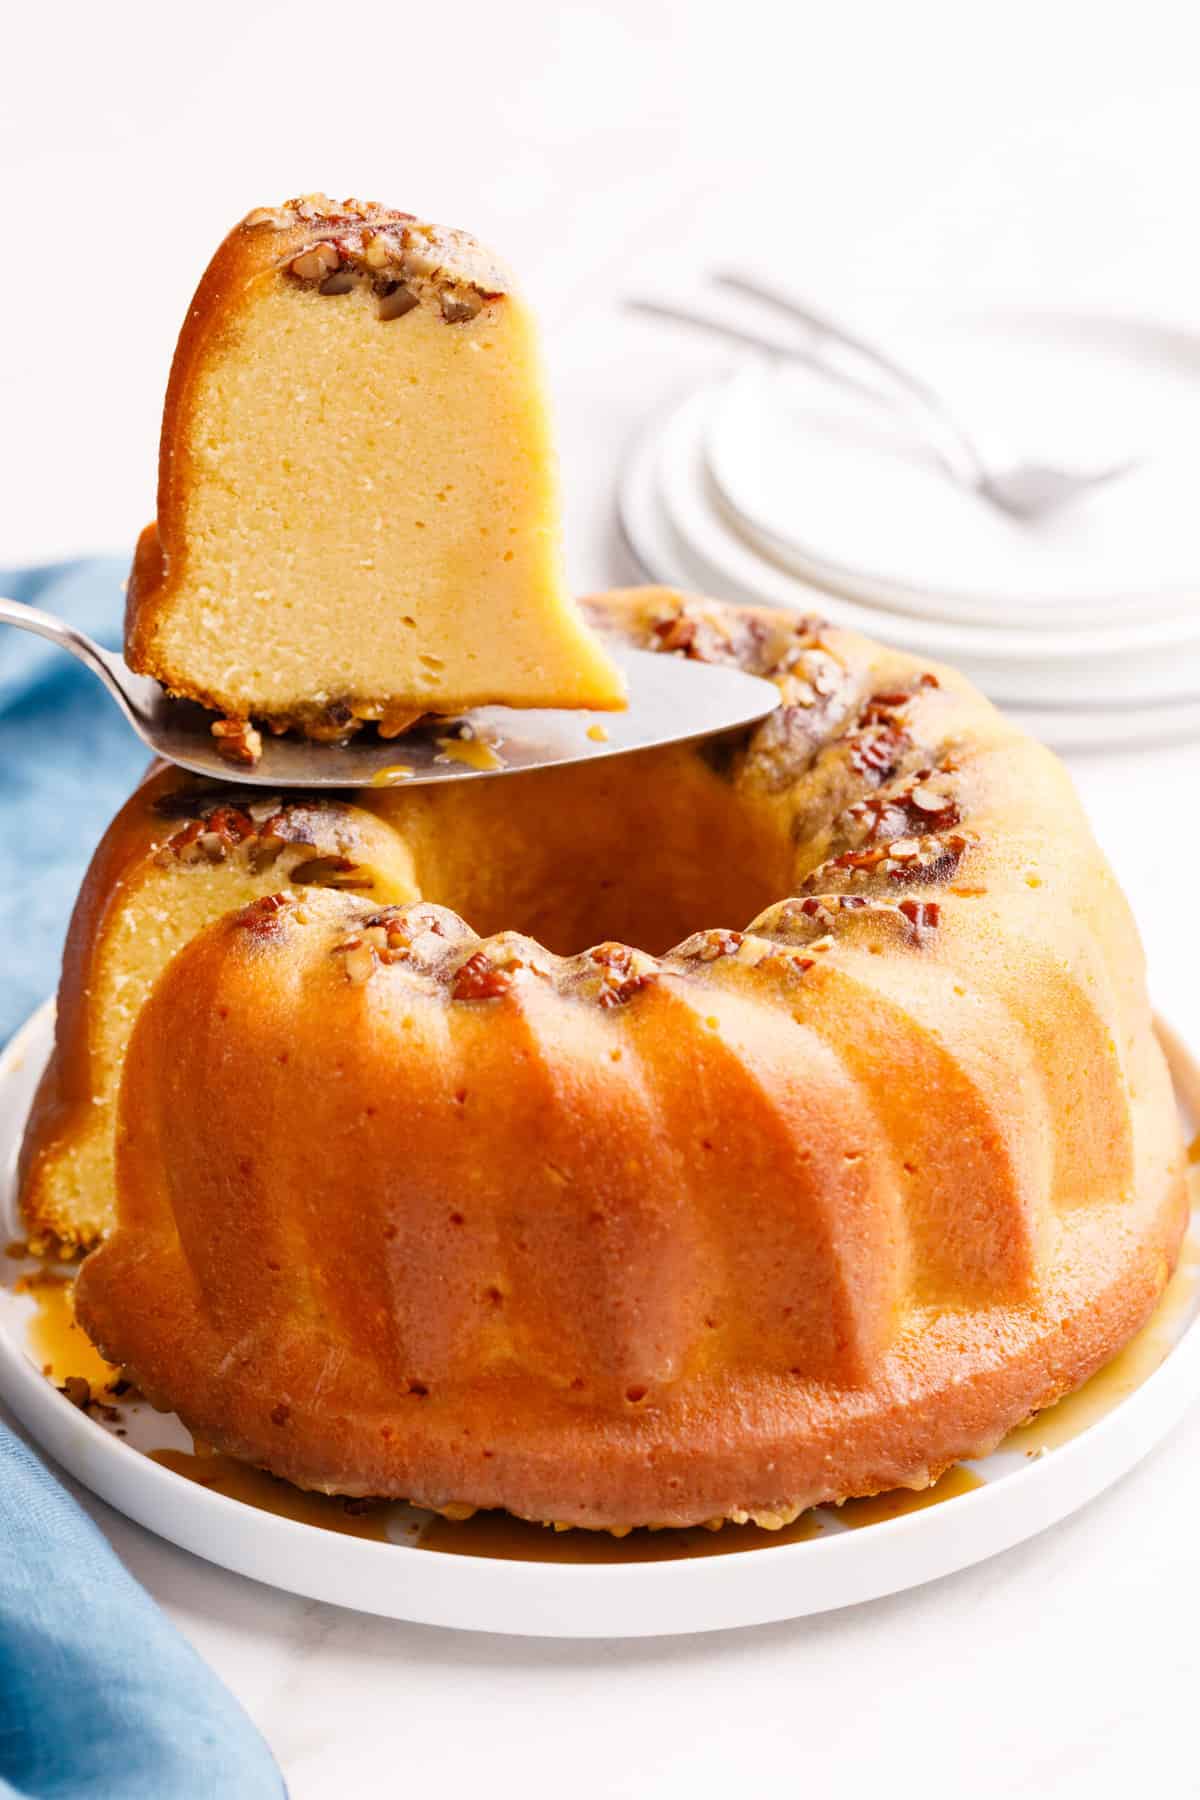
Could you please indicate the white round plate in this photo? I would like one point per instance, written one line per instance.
(1020, 1491)
(846, 493)
(1074, 690)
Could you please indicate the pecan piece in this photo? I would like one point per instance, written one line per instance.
(395, 301)
(314, 264)
(331, 871)
(237, 741)
(877, 749)
(719, 943)
(678, 633)
(620, 993)
(480, 979)
(923, 915)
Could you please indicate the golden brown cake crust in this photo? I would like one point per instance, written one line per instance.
(811, 1204)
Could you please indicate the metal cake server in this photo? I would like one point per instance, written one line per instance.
(671, 700)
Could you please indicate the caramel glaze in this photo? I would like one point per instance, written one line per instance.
(1073, 1414)
(877, 1509)
(64, 1350)
(498, 1534)
(254, 1487)
(473, 752)
(487, 1534)
(59, 1343)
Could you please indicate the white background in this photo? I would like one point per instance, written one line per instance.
(885, 156)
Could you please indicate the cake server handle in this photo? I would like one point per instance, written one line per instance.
(58, 631)
(125, 687)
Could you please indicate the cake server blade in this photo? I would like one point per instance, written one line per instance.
(670, 700)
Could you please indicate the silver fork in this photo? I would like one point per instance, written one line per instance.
(1025, 489)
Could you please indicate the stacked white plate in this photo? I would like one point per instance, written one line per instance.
(772, 485)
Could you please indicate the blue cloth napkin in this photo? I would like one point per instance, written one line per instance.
(100, 1696)
(68, 759)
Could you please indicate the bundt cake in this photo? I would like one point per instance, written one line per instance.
(746, 1126)
(357, 502)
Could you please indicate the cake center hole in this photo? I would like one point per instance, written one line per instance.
(576, 856)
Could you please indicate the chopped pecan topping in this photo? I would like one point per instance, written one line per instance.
(825, 675)
(386, 938)
(212, 836)
(621, 992)
(457, 309)
(480, 979)
(408, 922)
(716, 944)
(315, 264)
(860, 859)
(881, 735)
(395, 301)
(922, 917)
(789, 962)
(926, 801)
(391, 939)
(621, 980)
(827, 906)
(419, 933)
(404, 260)
(615, 957)
(332, 872)
(308, 208)
(237, 741)
(262, 917)
(359, 962)
(677, 633)
(705, 632)
(877, 748)
(917, 808)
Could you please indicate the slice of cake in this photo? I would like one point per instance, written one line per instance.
(358, 511)
(179, 853)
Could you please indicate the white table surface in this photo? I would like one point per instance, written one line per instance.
(879, 155)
